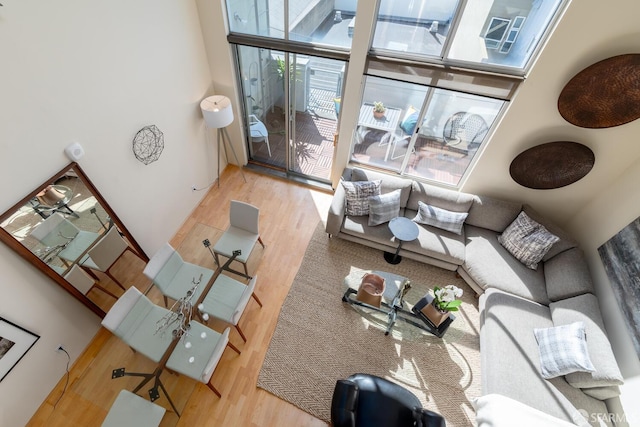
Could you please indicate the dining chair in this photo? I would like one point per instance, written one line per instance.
(173, 276)
(104, 254)
(227, 300)
(80, 280)
(56, 230)
(258, 131)
(242, 233)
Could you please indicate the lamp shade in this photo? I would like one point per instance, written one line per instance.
(217, 111)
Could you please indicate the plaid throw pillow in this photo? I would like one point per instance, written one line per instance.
(440, 218)
(357, 195)
(563, 350)
(384, 208)
(527, 240)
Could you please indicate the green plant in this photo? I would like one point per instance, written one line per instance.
(446, 299)
(378, 107)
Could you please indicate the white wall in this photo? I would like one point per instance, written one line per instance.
(94, 72)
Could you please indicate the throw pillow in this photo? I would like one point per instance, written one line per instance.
(585, 308)
(384, 207)
(440, 218)
(410, 120)
(357, 195)
(527, 240)
(563, 350)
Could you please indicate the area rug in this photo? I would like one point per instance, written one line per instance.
(320, 339)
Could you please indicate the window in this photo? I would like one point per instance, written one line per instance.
(307, 21)
(495, 32)
(426, 132)
(472, 34)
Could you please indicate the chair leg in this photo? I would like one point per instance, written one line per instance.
(166, 301)
(90, 273)
(104, 290)
(135, 253)
(215, 258)
(255, 297)
(233, 347)
(260, 240)
(241, 334)
(213, 389)
(114, 279)
(245, 269)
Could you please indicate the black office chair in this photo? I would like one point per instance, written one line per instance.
(367, 400)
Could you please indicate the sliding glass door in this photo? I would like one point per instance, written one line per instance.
(291, 104)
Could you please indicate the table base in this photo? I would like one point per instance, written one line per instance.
(396, 311)
(392, 258)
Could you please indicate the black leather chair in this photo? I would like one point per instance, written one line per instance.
(367, 400)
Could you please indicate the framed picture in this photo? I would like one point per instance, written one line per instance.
(14, 344)
(620, 256)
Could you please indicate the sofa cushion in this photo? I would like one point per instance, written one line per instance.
(435, 196)
(359, 226)
(357, 196)
(527, 240)
(603, 393)
(567, 275)
(563, 350)
(437, 243)
(510, 363)
(495, 410)
(493, 214)
(490, 265)
(566, 241)
(585, 308)
(389, 183)
(384, 207)
(440, 218)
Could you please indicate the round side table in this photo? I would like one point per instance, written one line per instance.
(404, 230)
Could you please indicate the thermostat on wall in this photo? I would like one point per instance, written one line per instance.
(74, 151)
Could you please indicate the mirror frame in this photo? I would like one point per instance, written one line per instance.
(25, 253)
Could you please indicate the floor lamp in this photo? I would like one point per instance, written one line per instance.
(218, 114)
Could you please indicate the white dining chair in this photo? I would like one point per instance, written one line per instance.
(83, 282)
(242, 233)
(227, 300)
(173, 276)
(104, 254)
(258, 131)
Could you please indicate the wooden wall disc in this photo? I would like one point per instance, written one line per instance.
(552, 165)
(603, 95)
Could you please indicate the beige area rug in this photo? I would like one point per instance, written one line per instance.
(320, 339)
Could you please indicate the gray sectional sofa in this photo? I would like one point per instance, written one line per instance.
(514, 299)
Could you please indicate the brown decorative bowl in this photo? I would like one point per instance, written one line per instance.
(603, 95)
(552, 165)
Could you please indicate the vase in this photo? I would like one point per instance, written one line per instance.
(434, 314)
(378, 114)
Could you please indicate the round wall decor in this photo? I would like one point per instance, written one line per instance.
(148, 144)
(552, 165)
(603, 95)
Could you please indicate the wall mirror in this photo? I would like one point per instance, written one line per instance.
(67, 230)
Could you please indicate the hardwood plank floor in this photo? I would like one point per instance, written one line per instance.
(289, 214)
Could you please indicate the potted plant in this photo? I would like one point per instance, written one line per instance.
(445, 300)
(378, 110)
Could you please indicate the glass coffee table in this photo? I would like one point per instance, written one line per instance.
(393, 304)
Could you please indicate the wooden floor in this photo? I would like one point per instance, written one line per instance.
(289, 214)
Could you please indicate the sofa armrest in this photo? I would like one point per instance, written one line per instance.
(335, 217)
(344, 403)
